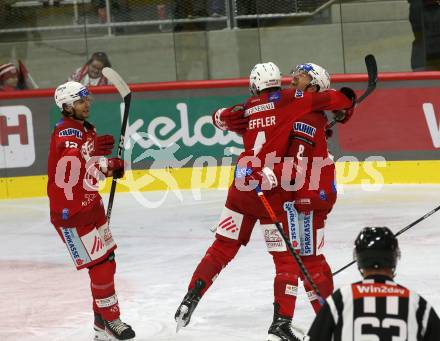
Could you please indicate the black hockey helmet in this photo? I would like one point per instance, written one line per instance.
(376, 248)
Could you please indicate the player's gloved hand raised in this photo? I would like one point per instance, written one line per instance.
(265, 178)
(99, 146)
(232, 119)
(115, 167)
(350, 94)
(342, 116)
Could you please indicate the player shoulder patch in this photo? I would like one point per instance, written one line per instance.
(61, 121)
(275, 96)
(299, 94)
(70, 132)
(304, 128)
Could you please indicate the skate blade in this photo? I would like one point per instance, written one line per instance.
(298, 332)
(180, 321)
(111, 337)
(100, 334)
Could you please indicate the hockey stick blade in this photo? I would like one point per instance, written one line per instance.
(117, 81)
(370, 63)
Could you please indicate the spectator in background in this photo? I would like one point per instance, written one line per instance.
(424, 16)
(91, 73)
(13, 78)
(216, 8)
(8, 77)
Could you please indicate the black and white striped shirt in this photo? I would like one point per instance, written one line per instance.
(375, 309)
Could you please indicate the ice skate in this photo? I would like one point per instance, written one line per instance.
(281, 329)
(189, 303)
(99, 329)
(118, 330)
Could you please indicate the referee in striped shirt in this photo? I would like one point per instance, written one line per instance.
(377, 308)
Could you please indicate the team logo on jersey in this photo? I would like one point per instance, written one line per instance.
(97, 245)
(322, 195)
(273, 238)
(65, 214)
(299, 94)
(275, 97)
(304, 128)
(71, 132)
(242, 172)
(228, 224)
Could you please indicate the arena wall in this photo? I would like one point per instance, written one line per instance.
(394, 137)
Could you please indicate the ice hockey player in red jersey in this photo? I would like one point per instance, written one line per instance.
(76, 163)
(307, 207)
(265, 121)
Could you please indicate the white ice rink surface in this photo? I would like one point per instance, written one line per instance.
(42, 297)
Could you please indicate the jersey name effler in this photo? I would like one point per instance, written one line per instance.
(262, 122)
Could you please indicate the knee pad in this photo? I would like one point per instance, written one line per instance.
(286, 271)
(220, 253)
(223, 250)
(321, 274)
(285, 263)
(103, 273)
(285, 283)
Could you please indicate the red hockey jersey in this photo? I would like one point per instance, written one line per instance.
(72, 186)
(268, 137)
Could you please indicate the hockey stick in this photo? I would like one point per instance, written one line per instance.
(370, 63)
(125, 93)
(397, 234)
(288, 244)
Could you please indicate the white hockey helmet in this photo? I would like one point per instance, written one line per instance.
(69, 92)
(264, 76)
(320, 76)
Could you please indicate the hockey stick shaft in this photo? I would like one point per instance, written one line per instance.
(127, 100)
(297, 258)
(371, 64)
(125, 93)
(406, 228)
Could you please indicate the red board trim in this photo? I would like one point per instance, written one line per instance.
(227, 83)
